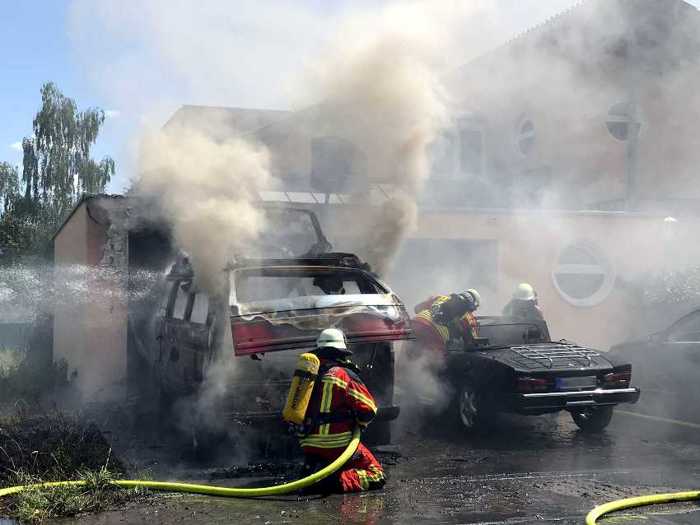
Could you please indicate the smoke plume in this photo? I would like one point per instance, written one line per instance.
(206, 190)
(381, 93)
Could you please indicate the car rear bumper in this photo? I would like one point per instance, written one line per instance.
(543, 401)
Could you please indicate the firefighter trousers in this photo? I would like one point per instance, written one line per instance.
(362, 472)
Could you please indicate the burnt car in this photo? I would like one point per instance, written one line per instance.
(270, 310)
(515, 367)
(667, 367)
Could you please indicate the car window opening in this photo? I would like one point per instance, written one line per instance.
(271, 284)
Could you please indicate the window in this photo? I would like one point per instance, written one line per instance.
(270, 284)
(442, 153)
(686, 330)
(525, 136)
(582, 275)
(180, 306)
(621, 121)
(200, 308)
(470, 151)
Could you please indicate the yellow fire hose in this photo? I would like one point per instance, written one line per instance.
(639, 501)
(212, 490)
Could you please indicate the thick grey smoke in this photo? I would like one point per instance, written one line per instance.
(207, 191)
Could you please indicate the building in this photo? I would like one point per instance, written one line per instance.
(590, 110)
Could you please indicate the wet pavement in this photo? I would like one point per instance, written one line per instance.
(525, 470)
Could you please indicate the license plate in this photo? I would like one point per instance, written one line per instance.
(575, 383)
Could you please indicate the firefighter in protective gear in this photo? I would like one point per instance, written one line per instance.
(444, 318)
(339, 402)
(524, 305)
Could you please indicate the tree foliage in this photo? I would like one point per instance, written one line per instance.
(57, 164)
(56, 170)
(9, 185)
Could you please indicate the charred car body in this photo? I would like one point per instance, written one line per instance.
(515, 367)
(272, 309)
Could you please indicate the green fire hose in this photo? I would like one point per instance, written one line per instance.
(639, 501)
(212, 490)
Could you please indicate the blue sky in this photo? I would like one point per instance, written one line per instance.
(136, 62)
(37, 49)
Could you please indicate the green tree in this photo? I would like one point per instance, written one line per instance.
(9, 185)
(56, 170)
(57, 167)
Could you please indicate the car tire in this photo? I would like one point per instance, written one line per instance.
(592, 419)
(470, 408)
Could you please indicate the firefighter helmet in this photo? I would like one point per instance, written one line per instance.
(476, 298)
(334, 339)
(524, 292)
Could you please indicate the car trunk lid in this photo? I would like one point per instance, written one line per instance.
(560, 357)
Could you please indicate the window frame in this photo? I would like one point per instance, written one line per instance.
(170, 314)
(190, 307)
(520, 136)
(602, 261)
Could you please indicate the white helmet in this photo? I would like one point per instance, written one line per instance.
(332, 338)
(524, 292)
(475, 296)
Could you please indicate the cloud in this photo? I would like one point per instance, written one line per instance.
(17, 146)
(112, 113)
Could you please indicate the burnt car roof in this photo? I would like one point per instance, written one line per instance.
(182, 269)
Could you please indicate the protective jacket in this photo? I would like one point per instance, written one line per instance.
(519, 309)
(435, 333)
(340, 400)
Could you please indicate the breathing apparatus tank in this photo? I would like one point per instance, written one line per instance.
(300, 390)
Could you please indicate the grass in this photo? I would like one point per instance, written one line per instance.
(39, 505)
(38, 448)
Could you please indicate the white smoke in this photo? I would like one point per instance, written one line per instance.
(207, 190)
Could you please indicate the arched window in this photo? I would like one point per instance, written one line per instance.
(621, 121)
(525, 136)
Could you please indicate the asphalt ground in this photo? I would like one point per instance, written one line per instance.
(523, 470)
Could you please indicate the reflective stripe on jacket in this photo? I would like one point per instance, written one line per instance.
(467, 324)
(339, 390)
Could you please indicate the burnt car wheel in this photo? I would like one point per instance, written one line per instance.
(593, 419)
(469, 407)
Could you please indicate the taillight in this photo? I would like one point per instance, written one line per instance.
(527, 384)
(620, 377)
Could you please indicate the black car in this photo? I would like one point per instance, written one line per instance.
(667, 366)
(515, 367)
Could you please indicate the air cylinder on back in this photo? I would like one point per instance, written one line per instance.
(301, 388)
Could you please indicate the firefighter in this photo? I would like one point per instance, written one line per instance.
(444, 318)
(339, 402)
(524, 305)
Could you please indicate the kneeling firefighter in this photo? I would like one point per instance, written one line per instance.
(326, 401)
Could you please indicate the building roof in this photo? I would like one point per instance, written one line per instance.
(87, 197)
(574, 15)
(224, 122)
